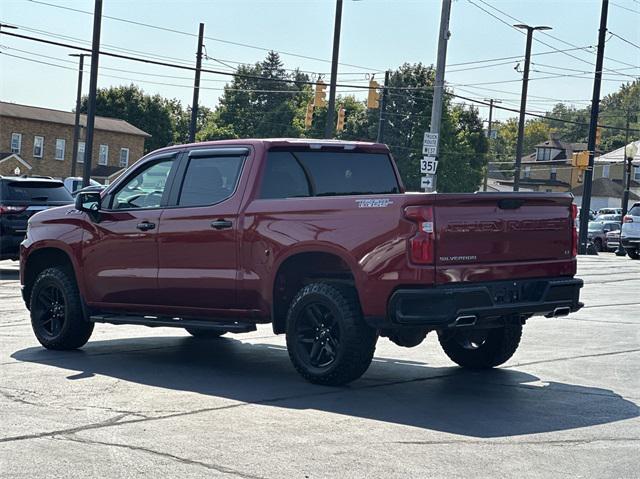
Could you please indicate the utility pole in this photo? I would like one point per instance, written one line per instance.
(76, 127)
(523, 100)
(196, 87)
(626, 179)
(383, 106)
(593, 125)
(93, 87)
(486, 170)
(438, 88)
(328, 128)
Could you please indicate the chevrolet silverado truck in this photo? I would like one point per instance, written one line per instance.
(316, 237)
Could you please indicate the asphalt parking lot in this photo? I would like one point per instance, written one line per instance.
(142, 402)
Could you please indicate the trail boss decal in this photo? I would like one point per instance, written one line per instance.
(374, 203)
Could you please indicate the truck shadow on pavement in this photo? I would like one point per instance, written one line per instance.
(489, 404)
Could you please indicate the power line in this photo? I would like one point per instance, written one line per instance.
(625, 40)
(276, 80)
(625, 8)
(220, 40)
(547, 34)
(516, 57)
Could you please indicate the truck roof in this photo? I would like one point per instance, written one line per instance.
(311, 143)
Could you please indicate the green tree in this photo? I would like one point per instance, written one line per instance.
(150, 113)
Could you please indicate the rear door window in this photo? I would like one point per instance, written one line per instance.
(635, 211)
(327, 173)
(209, 180)
(36, 191)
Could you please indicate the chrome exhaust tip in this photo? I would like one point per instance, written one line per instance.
(462, 321)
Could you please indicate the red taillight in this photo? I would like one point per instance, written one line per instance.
(627, 219)
(574, 231)
(7, 210)
(421, 245)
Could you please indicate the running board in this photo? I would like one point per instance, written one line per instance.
(155, 322)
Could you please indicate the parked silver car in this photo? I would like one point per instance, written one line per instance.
(630, 233)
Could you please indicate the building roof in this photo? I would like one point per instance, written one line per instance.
(567, 151)
(103, 123)
(606, 188)
(617, 156)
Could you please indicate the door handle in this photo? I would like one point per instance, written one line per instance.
(221, 224)
(145, 226)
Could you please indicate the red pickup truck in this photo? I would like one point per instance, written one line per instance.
(317, 237)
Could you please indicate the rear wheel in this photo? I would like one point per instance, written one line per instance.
(205, 333)
(56, 311)
(481, 348)
(328, 341)
(633, 253)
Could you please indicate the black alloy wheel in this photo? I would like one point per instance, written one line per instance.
(317, 335)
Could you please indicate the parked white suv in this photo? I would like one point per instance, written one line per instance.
(630, 233)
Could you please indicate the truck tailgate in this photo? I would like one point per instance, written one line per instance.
(484, 237)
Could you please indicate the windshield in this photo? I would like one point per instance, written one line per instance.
(596, 226)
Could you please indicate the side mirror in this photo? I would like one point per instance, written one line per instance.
(89, 202)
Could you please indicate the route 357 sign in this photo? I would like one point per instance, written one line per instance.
(428, 165)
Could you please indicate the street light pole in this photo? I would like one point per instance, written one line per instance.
(76, 127)
(328, 127)
(523, 100)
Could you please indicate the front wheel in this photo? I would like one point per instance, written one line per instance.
(481, 348)
(56, 311)
(328, 341)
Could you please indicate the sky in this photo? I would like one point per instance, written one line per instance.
(376, 35)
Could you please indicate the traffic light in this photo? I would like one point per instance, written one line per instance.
(598, 136)
(580, 160)
(321, 94)
(340, 125)
(373, 99)
(308, 118)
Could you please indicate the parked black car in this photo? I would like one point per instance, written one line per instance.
(20, 198)
(597, 233)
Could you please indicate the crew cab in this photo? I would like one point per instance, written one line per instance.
(317, 237)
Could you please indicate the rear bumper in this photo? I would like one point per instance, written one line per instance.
(440, 307)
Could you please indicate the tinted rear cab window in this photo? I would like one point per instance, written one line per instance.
(35, 192)
(290, 174)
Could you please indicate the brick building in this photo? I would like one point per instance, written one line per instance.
(39, 141)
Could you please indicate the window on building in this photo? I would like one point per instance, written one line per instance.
(16, 142)
(80, 157)
(527, 172)
(554, 174)
(38, 146)
(124, 157)
(61, 143)
(543, 154)
(636, 173)
(103, 157)
(605, 171)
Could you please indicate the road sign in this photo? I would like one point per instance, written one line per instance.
(428, 165)
(426, 182)
(430, 144)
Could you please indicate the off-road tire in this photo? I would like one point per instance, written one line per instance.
(357, 341)
(633, 253)
(499, 346)
(74, 330)
(205, 333)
